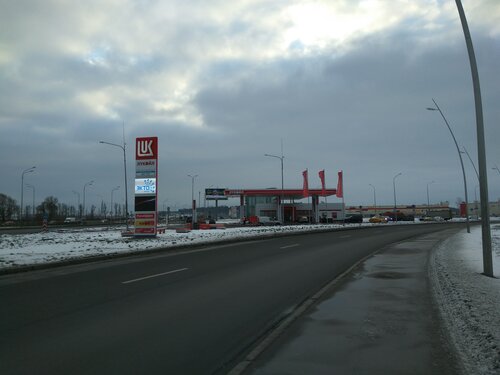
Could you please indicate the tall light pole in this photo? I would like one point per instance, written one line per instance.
(123, 147)
(84, 187)
(496, 168)
(78, 194)
(473, 165)
(28, 170)
(481, 148)
(111, 206)
(33, 202)
(192, 199)
(428, 201)
(374, 198)
(280, 208)
(461, 161)
(394, 188)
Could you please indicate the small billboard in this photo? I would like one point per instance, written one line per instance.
(145, 186)
(215, 194)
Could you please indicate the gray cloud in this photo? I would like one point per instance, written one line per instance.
(67, 83)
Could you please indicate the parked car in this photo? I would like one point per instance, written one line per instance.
(266, 220)
(378, 219)
(70, 220)
(426, 218)
(354, 218)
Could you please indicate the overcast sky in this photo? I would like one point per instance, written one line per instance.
(343, 83)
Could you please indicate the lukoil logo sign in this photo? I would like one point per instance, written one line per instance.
(146, 148)
(145, 185)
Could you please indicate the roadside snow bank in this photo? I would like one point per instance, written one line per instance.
(469, 301)
(56, 246)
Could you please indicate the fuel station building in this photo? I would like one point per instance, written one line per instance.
(282, 205)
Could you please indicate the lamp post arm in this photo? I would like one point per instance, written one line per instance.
(473, 165)
(461, 163)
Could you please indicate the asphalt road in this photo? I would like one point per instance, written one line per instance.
(193, 312)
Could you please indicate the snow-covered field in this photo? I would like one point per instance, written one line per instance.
(60, 245)
(469, 301)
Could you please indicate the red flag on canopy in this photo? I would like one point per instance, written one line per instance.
(322, 178)
(340, 185)
(305, 189)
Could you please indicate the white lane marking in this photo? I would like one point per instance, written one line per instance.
(151, 276)
(289, 246)
(348, 236)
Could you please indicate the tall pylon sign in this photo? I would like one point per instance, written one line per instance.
(146, 186)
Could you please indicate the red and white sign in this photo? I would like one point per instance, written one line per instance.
(146, 177)
(146, 148)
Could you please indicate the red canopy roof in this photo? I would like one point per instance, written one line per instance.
(286, 193)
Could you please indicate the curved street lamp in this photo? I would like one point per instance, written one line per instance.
(32, 187)
(84, 187)
(428, 201)
(374, 199)
(496, 168)
(28, 170)
(461, 161)
(394, 187)
(473, 165)
(481, 148)
(280, 218)
(125, 170)
(111, 206)
(192, 199)
(78, 208)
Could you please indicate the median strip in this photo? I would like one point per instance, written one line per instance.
(151, 276)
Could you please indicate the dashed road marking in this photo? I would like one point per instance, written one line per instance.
(289, 246)
(156, 275)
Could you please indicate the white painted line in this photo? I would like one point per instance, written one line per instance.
(151, 276)
(289, 246)
(345, 236)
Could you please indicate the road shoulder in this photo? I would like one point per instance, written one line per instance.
(380, 319)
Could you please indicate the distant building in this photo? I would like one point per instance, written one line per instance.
(441, 209)
(474, 208)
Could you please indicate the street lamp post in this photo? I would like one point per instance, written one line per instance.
(394, 188)
(111, 206)
(192, 200)
(84, 187)
(481, 148)
(280, 218)
(461, 161)
(496, 168)
(33, 201)
(78, 194)
(428, 200)
(374, 199)
(28, 170)
(123, 147)
(473, 165)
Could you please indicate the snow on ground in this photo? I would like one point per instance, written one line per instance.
(59, 245)
(469, 301)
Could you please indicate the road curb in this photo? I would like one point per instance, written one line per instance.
(266, 342)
